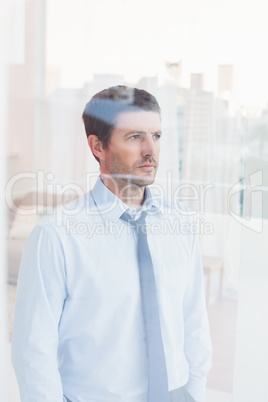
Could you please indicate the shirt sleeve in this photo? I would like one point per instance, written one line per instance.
(40, 298)
(198, 350)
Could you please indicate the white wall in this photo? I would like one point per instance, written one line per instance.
(251, 369)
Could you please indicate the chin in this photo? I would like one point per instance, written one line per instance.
(143, 181)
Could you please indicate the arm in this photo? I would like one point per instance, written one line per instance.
(39, 304)
(196, 333)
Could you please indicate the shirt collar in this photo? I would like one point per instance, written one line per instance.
(111, 207)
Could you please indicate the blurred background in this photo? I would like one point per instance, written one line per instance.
(205, 61)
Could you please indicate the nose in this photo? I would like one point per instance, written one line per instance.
(148, 146)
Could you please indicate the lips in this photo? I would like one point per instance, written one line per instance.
(147, 165)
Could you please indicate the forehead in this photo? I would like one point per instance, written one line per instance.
(140, 121)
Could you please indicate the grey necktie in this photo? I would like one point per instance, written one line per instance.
(157, 371)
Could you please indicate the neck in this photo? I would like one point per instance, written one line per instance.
(127, 191)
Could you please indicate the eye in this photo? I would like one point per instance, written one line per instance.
(156, 136)
(135, 137)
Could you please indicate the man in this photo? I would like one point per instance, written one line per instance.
(117, 312)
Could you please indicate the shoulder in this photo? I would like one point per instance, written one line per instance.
(174, 209)
(177, 218)
(56, 221)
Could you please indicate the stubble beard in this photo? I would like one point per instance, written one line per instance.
(125, 180)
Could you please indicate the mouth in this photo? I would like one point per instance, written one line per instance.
(147, 166)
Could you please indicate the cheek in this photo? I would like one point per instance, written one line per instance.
(120, 161)
(128, 155)
(157, 152)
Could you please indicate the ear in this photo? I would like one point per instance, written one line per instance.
(96, 146)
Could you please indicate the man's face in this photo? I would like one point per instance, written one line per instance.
(134, 146)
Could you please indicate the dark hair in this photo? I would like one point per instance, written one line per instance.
(101, 112)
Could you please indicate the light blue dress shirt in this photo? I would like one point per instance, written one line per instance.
(78, 326)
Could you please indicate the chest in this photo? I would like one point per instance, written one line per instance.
(102, 264)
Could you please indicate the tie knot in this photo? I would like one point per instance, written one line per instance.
(128, 218)
(138, 224)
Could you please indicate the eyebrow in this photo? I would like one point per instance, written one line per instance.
(141, 132)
